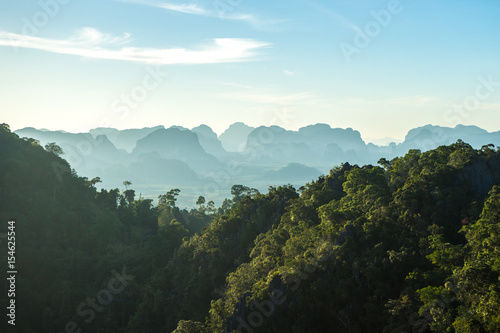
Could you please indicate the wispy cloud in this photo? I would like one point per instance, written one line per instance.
(92, 36)
(339, 18)
(226, 12)
(255, 21)
(183, 8)
(92, 43)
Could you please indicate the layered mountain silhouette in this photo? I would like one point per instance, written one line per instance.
(234, 139)
(178, 144)
(209, 140)
(199, 162)
(124, 139)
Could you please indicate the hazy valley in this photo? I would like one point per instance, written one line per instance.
(198, 162)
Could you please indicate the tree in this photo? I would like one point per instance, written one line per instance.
(127, 183)
(33, 142)
(200, 201)
(5, 127)
(129, 196)
(384, 163)
(239, 192)
(54, 149)
(226, 206)
(211, 207)
(169, 198)
(188, 326)
(95, 180)
(478, 279)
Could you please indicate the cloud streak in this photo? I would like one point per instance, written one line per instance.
(92, 43)
(226, 12)
(183, 8)
(339, 18)
(289, 73)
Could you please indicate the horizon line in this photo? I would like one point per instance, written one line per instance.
(367, 140)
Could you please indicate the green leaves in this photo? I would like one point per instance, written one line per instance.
(169, 198)
(397, 248)
(445, 255)
(54, 149)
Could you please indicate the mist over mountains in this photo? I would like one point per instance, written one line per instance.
(199, 162)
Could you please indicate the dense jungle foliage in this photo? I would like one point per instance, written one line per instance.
(410, 245)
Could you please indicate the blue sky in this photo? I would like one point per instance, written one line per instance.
(380, 67)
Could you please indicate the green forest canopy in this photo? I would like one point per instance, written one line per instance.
(411, 245)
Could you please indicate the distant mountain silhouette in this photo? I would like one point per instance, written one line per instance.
(309, 145)
(175, 143)
(81, 150)
(198, 162)
(294, 172)
(209, 141)
(61, 137)
(383, 141)
(153, 169)
(429, 136)
(235, 137)
(124, 139)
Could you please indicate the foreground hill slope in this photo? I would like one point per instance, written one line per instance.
(412, 246)
(73, 242)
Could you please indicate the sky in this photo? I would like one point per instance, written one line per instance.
(379, 67)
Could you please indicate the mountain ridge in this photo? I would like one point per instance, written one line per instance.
(240, 155)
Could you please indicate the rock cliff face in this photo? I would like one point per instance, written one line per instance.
(482, 175)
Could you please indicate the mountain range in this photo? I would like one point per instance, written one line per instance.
(199, 162)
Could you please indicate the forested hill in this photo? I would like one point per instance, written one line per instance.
(83, 256)
(411, 245)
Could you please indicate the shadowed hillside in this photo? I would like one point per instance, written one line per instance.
(410, 245)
